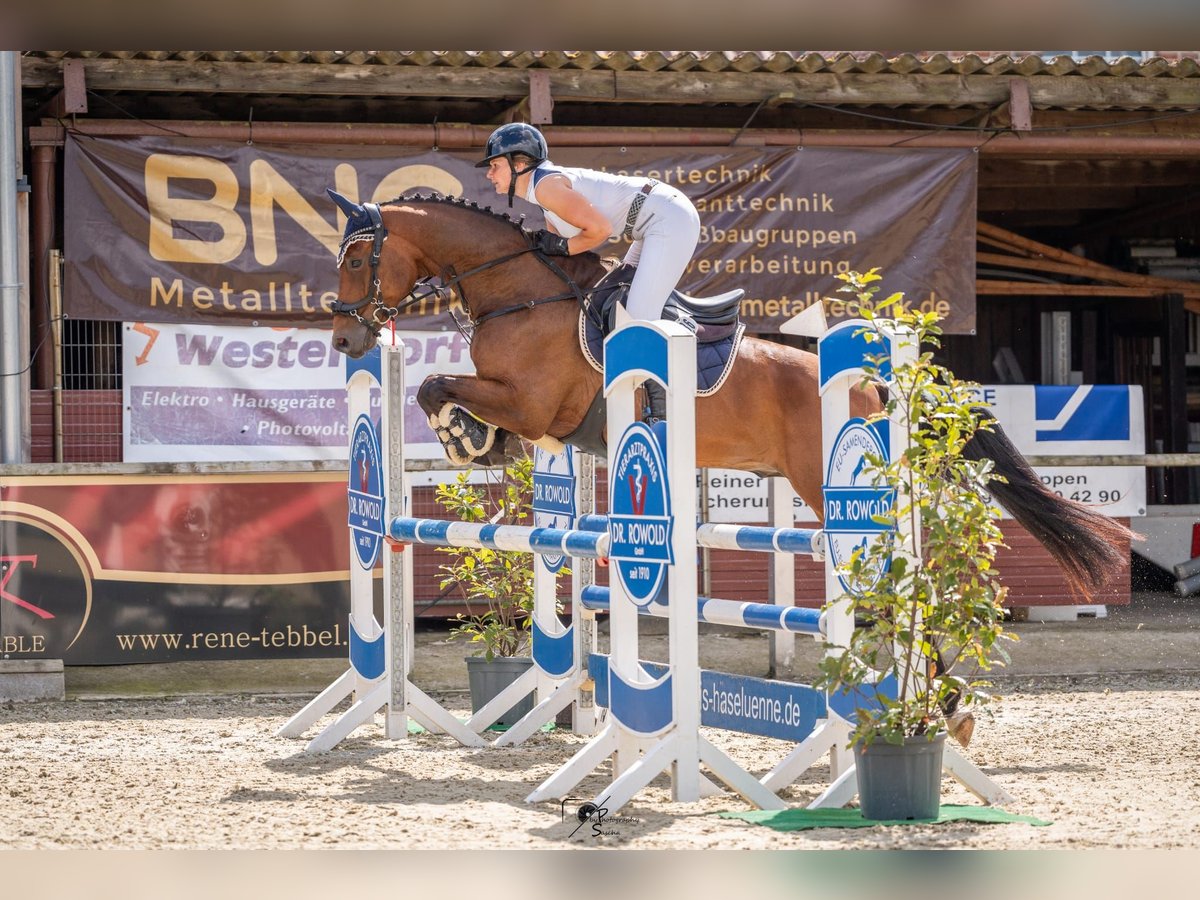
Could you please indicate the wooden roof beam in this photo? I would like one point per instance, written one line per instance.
(1076, 197)
(858, 89)
(1095, 173)
(449, 135)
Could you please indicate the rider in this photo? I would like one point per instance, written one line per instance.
(586, 207)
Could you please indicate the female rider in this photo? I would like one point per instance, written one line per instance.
(586, 207)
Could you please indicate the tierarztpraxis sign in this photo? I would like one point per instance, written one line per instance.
(171, 229)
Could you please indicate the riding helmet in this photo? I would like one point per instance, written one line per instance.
(515, 137)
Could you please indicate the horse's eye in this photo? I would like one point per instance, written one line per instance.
(356, 263)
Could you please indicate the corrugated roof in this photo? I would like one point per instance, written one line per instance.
(930, 62)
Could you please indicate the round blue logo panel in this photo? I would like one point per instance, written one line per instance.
(640, 523)
(851, 500)
(365, 493)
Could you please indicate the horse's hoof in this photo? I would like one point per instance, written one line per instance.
(457, 453)
(961, 726)
(478, 441)
(476, 436)
(464, 438)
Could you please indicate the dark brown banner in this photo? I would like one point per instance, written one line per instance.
(167, 229)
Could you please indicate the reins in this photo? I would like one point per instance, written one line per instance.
(574, 294)
(424, 288)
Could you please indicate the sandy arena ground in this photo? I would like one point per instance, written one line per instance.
(1096, 733)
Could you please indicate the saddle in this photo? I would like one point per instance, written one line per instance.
(716, 321)
(712, 318)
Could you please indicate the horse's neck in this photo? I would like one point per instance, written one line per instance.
(455, 240)
(459, 240)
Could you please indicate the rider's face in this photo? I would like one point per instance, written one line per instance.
(499, 173)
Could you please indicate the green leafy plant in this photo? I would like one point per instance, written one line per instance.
(926, 595)
(497, 582)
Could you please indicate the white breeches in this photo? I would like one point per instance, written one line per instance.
(664, 240)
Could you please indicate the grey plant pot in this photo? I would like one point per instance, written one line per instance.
(487, 679)
(900, 781)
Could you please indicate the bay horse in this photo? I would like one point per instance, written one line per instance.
(533, 381)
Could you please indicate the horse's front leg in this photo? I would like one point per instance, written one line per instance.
(475, 418)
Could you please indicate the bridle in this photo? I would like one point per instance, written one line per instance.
(377, 234)
(426, 287)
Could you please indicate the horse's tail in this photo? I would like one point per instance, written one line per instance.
(1089, 546)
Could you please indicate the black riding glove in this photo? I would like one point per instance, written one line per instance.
(550, 243)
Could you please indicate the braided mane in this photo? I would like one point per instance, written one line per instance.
(581, 265)
(461, 203)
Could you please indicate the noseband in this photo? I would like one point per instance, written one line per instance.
(424, 287)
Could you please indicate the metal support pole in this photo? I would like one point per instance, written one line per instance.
(782, 578)
(14, 438)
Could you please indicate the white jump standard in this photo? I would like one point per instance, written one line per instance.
(380, 678)
(653, 723)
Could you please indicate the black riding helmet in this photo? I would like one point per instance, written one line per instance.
(515, 137)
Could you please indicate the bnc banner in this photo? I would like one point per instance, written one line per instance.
(172, 229)
(226, 393)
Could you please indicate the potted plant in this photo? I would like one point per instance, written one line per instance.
(926, 597)
(496, 585)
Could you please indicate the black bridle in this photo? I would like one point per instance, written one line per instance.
(378, 236)
(425, 287)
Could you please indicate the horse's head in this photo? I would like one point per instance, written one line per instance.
(370, 285)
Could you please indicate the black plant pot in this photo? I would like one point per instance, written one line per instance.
(900, 781)
(487, 679)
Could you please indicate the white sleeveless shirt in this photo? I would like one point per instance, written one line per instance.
(610, 194)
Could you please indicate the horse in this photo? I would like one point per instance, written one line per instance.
(533, 382)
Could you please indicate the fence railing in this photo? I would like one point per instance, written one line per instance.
(1149, 460)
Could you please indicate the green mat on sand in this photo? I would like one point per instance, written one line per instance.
(801, 819)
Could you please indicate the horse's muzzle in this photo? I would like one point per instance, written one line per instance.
(343, 344)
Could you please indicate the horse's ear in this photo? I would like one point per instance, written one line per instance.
(345, 204)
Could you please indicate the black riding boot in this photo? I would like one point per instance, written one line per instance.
(656, 402)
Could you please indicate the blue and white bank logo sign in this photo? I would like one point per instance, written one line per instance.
(851, 500)
(365, 493)
(640, 523)
(553, 496)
